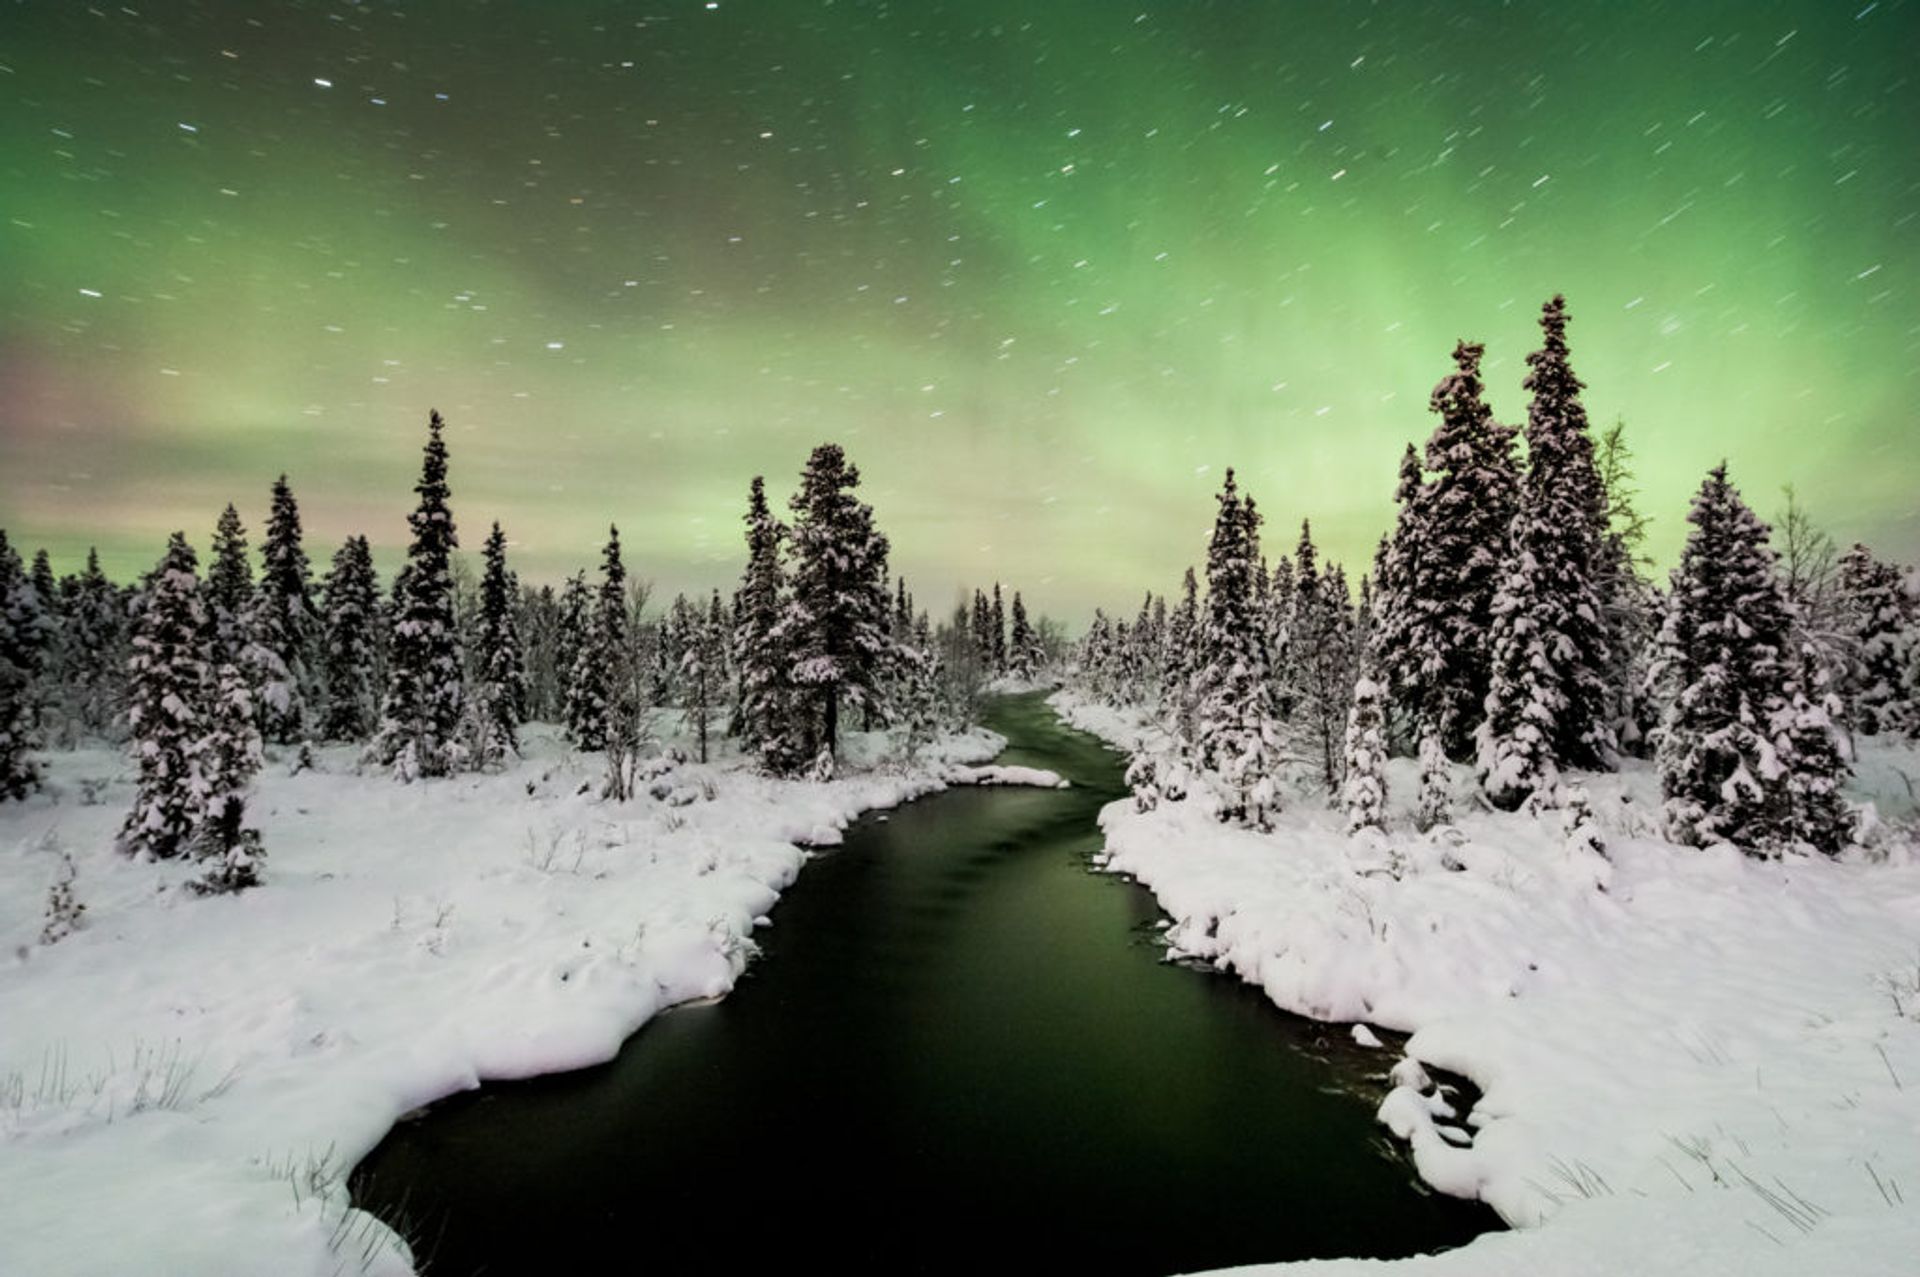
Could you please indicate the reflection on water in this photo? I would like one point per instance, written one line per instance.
(959, 1049)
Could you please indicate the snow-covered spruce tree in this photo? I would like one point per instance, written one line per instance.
(1880, 618)
(348, 646)
(1744, 751)
(576, 615)
(51, 667)
(45, 587)
(1095, 655)
(20, 639)
(595, 679)
(229, 759)
(96, 647)
(834, 627)
(169, 708)
(497, 704)
(1364, 795)
(763, 721)
(997, 633)
(1023, 649)
(1567, 502)
(919, 712)
(537, 616)
(1320, 633)
(1448, 543)
(1237, 733)
(1139, 651)
(1518, 757)
(420, 715)
(1180, 662)
(1816, 757)
(282, 625)
(229, 586)
(1279, 626)
(978, 627)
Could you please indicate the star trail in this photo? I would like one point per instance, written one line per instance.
(1044, 269)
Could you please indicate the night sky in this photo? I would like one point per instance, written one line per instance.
(1045, 268)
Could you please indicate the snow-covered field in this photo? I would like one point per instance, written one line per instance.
(1692, 1062)
(186, 1080)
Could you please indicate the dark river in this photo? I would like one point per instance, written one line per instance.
(960, 1051)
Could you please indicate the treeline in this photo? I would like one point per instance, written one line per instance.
(1509, 622)
(438, 673)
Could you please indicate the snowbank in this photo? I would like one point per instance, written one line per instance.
(185, 1081)
(1691, 1061)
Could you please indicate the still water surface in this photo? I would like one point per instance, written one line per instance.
(959, 1051)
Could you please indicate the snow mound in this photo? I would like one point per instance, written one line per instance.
(1690, 1060)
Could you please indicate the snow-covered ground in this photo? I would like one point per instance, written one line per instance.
(185, 1080)
(1692, 1062)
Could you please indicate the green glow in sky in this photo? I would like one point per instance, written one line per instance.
(1044, 269)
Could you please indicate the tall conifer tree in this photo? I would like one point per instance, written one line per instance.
(1443, 566)
(169, 708)
(230, 586)
(281, 624)
(764, 724)
(21, 637)
(1237, 732)
(1745, 755)
(500, 687)
(349, 648)
(420, 716)
(835, 623)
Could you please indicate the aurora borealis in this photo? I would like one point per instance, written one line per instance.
(1044, 269)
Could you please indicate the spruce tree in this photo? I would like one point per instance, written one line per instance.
(500, 684)
(1746, 752)
(1180, 663)
(919, 714)
(834, 627)
(1816, 758)
(21, 635)
(1321, 679)
(1518, 757)
(1879, 616)
(1444, 565)
(1024, 650)
(1364, 794)
(981, 629)
(45, 587)
(1434, 805)
(576, 616)
(538, 620)
(281, 624)
(1279, 625)
(1566, 505)
(997, 633)
(230, 586)
(764, 717)
(703, 671)
(169, 708)
(96, 647)
(1237, 732)
(420, 715)
(230, 757)
(348, 646)
(599, 663)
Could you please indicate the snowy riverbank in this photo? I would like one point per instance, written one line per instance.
(1710, 1066)
(185, 1081)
